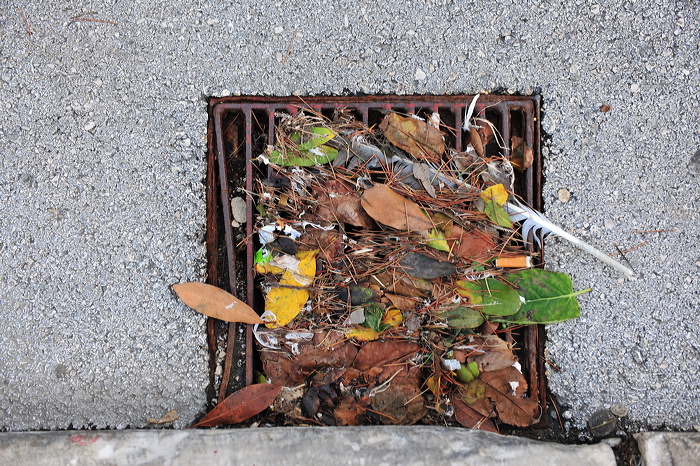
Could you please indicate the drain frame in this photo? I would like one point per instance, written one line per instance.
(227, 147)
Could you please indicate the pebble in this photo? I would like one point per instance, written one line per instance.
(279, 30)
(634, 87)
(89, 126)
(564, 195)
(420, 74)
(619, 410)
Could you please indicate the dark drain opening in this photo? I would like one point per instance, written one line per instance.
(240, 128)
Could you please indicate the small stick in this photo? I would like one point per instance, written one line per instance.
(95, 20)
(26, 23)
(628, 250)
(289, 49)
(672, 230)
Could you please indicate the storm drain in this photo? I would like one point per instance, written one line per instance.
(240, 128)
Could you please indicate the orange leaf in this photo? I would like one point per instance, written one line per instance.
(215, 302)
(241, 405)
(386, 206)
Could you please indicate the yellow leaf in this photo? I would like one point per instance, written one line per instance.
(360, 333)
(286, 303)
(497, 193)
(215, 302)
(392, 317)
(267, 268)
(433, 383)
(305, 272)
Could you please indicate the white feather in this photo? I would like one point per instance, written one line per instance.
(535, 221)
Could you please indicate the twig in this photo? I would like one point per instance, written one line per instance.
(628, 250)
(672, 230)
(94, 20)
(289, 49)
(26, 23)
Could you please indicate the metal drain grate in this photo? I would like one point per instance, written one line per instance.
(241, 127)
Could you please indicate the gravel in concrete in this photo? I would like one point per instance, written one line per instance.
(101, 198)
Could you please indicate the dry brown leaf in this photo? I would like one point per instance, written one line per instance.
(415, 136)
(502, 392)
(170, 416)
(402, 302)
(402, 284)
(521, 155)
(241, 405)
(469, 417)
(476, 142)
(387, 207)
(338, 202)
(215, 302)
(491, 353)
(422, 174)
(349, 411)
(400, 403)
(469, 244)
(379, 353)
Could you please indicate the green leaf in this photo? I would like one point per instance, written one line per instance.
(463, 317)
(493, 297)
(549, 297)
(310, 158)
(374, 313)
(319, 136)
(497, 214)
(309, 153)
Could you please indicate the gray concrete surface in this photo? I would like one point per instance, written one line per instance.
(101, 202)
(302, 446)
(669, 448)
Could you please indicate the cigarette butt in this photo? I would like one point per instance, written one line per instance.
(517, 262)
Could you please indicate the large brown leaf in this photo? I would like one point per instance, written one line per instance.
(387, 207)
(415, 136)
(241, 405)
(378, 353)
(469, 417)
(215, 302)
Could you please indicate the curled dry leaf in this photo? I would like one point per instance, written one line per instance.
(415, 136)
(215, 302)
(241, 405)
(490, 353)
(170, 416)
(387, 207)
(521, 154)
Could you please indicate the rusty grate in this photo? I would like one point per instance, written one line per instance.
(241, 127)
